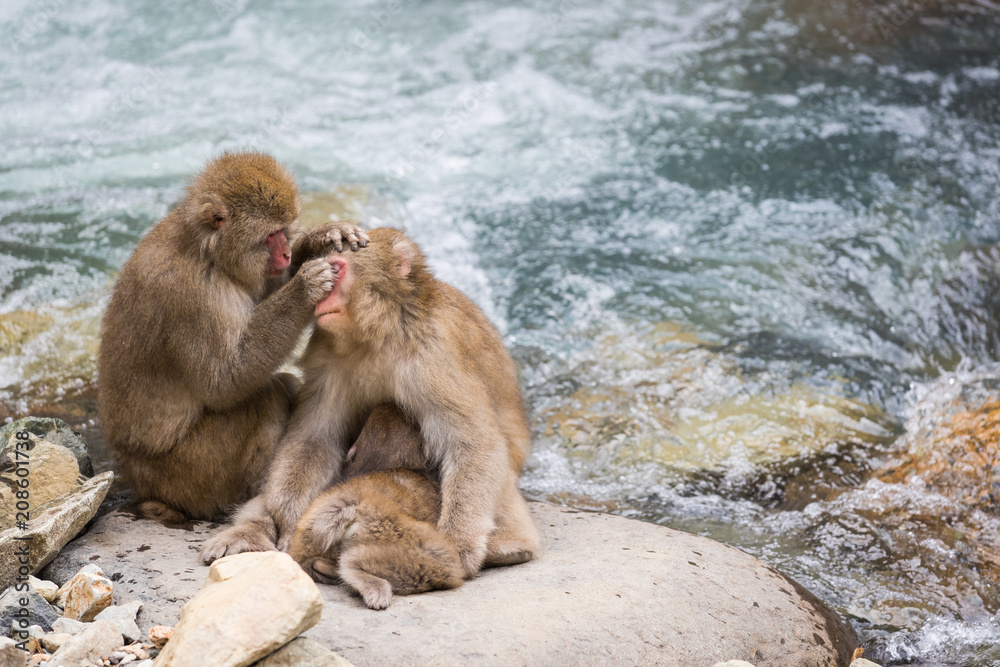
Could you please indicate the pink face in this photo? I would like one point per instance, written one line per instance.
(280, 254)
(333, 307)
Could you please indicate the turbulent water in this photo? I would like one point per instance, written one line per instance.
(733, 245)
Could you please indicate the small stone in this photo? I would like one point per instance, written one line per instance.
(25, 607)
(99, 639)
(136, 650)
(68, 626)
(29, 636)
(159, 635)
(251, 605)
(46, 589)
(862, 662)
(123, 618)
(144, 663)
(10, 654)
(303, 652)
(85, 595)
(51, 642)
(40, 659)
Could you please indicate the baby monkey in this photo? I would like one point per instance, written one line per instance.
(377, 530)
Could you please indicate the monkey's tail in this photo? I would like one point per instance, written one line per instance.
(159, 511)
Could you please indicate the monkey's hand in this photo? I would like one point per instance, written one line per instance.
(253, 535)
(317, 278)
(324, 239)
(471, 548)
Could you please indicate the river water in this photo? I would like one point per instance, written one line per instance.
(736, 246)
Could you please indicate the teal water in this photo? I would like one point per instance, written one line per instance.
(666, 207)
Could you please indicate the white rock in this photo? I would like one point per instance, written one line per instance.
(46, 589)
(862, 662)
(86, 595)
(68, 626)
(10, 654)
(53, 641)
(97, 641)
(123, 618)
(251, 605)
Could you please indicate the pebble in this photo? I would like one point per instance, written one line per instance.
(46, 589)
(51, 642)
(159, 635)
(123, 618)
(86, 595)
(10, 655)
(68, 626)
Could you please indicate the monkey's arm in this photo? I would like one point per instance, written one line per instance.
(267, 340)
(324, 239)
(310, 460)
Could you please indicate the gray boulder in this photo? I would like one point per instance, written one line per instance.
(55, 431)
(607, 590)
(37, 611)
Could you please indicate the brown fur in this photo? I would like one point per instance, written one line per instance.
(376, 531)
(199, 321)
(396, 334)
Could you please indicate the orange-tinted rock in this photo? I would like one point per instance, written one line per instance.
(85, 595)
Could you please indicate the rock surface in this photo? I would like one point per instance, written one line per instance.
(46, 589)
(55, 431)
(86, 594)
(251, 605)
(607, 590)
(10, 654)
(97, 641)
(49, 531)
(123, 618)
(52, 475)
(303, 652)
(39, 612)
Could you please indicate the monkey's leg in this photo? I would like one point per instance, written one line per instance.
(376, 591)
(516, 539)
(220, 461)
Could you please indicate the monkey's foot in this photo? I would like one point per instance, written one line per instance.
(236, 540)
(507, 554)
(160, 511)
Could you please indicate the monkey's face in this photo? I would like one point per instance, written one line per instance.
(249, 202)
(373, 283)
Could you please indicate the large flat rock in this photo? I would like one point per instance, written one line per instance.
(606, 591)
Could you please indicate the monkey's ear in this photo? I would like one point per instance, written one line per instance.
(405, 253)
(213, 211)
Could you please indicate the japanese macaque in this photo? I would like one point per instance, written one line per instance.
(202, 316)
(377, 530)
(390, 332)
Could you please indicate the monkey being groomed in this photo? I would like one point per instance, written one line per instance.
(389, 332)
(376, 531)
(205, 311)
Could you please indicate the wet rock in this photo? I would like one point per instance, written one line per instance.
(46, 589)
(251, 604)
(663, 397)
(52, 475)
(10, 654)
(123, 618)
(303, 652)
(68, 626)
(159, 635)
(97, 641)
(50, 530)
(84, 596)
(670, 597)
(344, 202)
(58, 433)
(25, 605)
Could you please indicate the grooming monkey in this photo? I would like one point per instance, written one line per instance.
(376, 531)
(390, 332)
(202, 315)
